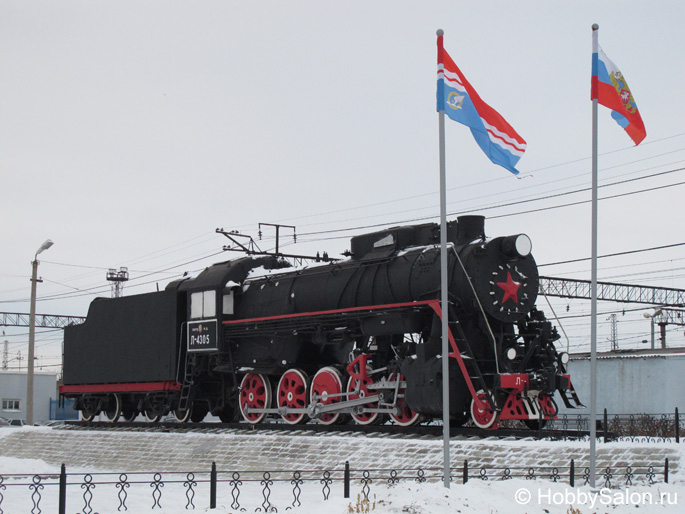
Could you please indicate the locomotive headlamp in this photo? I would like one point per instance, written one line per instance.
(563, 357)
(511, 354)
(517, 246)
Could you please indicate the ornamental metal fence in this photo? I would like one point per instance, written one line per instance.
(624, 427)
(271, 491)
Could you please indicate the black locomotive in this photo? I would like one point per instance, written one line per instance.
(253, 338)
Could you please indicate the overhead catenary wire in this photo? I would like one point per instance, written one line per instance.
(508, 204)
(461, 187)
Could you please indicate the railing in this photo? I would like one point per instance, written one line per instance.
(626, 427)
(269, 491)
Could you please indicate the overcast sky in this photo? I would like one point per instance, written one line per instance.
(131, 130)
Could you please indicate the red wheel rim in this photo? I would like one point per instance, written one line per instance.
(407, 416)
(482, 417)
(255, 393)
(325, 383)
(292, 393)
(363, 418)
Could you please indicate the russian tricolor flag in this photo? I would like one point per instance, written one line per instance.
(611, 90)
(500, 142)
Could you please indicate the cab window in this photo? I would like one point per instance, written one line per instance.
(203, 304)
(228, 303)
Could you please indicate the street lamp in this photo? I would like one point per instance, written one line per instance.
(651, 316)
(32, 333)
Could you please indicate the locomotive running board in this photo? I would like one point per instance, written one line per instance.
(349, 310)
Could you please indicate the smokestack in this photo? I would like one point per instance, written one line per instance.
(470, 228)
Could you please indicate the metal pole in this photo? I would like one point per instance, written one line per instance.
(652, 320)
(443, 292)
(62, 502)
(212, 486)
(593, 279)
(346, 480)
(677, 426)
(606, 425)
(572, 474)
(662, 333)
(32, 343)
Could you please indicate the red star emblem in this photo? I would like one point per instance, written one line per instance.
(510, 289)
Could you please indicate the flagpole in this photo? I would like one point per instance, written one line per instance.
(593, 281)
(443, 291)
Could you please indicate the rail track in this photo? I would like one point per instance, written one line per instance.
(429, 431)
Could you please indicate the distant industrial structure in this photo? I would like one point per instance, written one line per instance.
(118, 279)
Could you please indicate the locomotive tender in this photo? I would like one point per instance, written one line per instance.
(252, 338)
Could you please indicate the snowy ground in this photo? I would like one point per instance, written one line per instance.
(477, 496)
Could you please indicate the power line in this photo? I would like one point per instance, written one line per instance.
(629, 252)
(463, 186)
(530, 198)
(510, 204)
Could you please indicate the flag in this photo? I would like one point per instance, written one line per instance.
(610, 88)
(461, 103)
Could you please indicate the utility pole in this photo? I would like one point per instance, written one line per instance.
(662, 332)
(614, 332)
(32, 332)
(5, 355)
(650, 316)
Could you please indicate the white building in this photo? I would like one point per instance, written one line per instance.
(13, 395)
(631, 381)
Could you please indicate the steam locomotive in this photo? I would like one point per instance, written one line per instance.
(356, 340)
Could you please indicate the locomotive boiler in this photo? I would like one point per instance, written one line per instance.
(357, 340)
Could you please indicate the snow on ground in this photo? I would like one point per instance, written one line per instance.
(490, 497)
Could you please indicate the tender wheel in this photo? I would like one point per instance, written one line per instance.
(113, 409)
(362, 418)
(129, 414)
(292, 393)
(407, 417)
(88, 415)
(90, 409)
(153, 415)
(326, 382)
(483, 418)
(255, 393)
(183, 415)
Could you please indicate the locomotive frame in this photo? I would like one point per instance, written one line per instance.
(365, 330)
